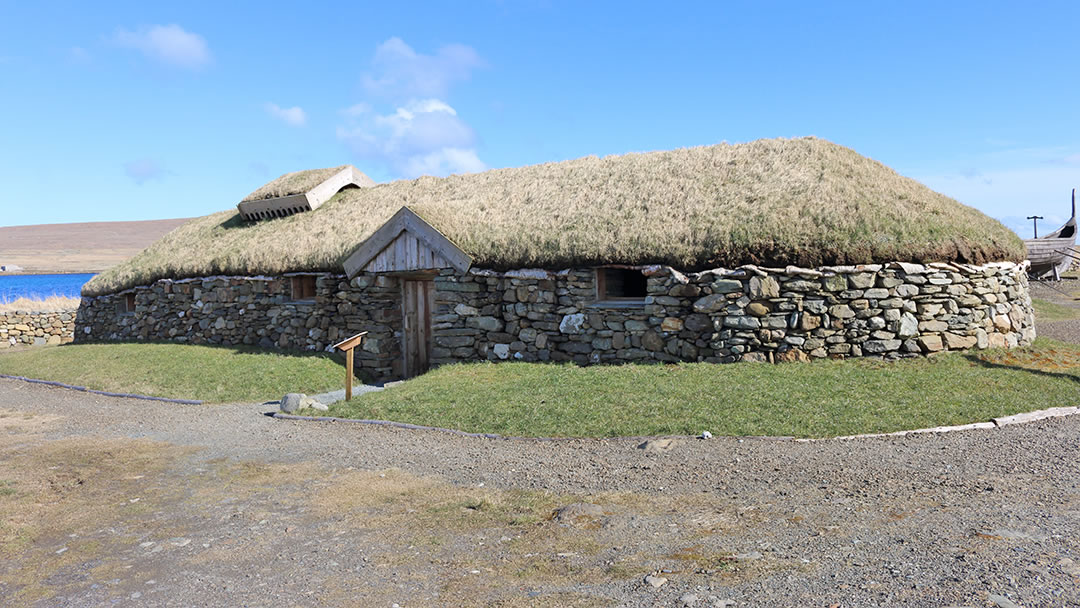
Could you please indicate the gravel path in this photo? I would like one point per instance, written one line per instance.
(967, 518)
(1058, 293)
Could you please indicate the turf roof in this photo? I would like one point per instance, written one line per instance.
(296, 182)
(806, 202)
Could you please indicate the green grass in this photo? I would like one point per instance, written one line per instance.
(211, 373)
(824, 398)
(1045, 310)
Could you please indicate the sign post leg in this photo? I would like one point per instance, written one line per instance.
(348, 374)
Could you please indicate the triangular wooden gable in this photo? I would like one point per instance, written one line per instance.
(406, 243)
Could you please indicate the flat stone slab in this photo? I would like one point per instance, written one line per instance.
(339, 395)
(1053, 412)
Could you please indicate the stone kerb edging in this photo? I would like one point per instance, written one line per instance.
(1022, 418)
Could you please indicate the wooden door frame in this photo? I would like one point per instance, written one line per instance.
(429, 291)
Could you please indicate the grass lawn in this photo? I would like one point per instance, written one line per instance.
(1045, 310)
(823, 398)
(215, 374)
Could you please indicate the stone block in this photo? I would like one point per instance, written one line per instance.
(652, 341)
(484, 323)
(450, 341)
(465, 310)
(841, 311)
(958, 342)
(881, 346)
(572, 324)
(696, 322)
(762, 288)
(720, 286)
(758, 309)
(908, 326)
(836, 282)
(808, 322)
(741, 322)
(684, 291)
(930, 343)
(671, 324)
(710, 303)
(861, 280)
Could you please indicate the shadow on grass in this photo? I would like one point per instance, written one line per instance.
(981, 362)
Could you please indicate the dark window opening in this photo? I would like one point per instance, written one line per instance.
(620, 284)
(127, 304)
(303, 287)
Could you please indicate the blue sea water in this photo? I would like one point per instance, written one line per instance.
(40, 286)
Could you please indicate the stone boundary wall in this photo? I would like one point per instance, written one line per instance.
(257, 311)
(36, 328)
(749, 314)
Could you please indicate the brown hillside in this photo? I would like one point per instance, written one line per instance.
(80, 247)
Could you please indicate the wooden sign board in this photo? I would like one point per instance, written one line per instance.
(347, 345)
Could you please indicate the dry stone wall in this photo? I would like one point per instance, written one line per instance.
(751, 313)
(258, 311)
(36, 328)
(748, 314)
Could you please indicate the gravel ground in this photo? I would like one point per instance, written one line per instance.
(1059, 293)
(978, 518)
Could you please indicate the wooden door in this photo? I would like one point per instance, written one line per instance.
(418, 299)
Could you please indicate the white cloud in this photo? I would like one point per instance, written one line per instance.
(418, 133)
(423, 137)
(399, 72)
(294, 116)
(143, 170)
(168, 44)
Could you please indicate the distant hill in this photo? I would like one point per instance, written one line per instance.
(82, 247)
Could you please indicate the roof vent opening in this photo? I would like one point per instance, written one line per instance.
(301, 191)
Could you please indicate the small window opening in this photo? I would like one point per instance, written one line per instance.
(127, 304)
(303, 287)
(620, 284)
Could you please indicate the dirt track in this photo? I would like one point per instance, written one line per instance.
(223, 506)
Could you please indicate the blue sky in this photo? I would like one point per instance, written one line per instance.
(114, 111)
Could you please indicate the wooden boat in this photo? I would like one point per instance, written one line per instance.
(1053, 254)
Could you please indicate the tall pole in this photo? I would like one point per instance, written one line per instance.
(1036, 219)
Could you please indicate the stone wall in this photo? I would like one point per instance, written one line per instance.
(258, 311)
(750, 313)
(36, 328)
(746, 314)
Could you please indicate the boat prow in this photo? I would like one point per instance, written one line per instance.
(1053, 254)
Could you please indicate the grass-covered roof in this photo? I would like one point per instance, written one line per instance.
(297, 182)
(806, 202)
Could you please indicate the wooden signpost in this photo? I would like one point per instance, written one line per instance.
(347, 345)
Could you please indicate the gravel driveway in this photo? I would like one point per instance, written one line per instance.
(978, 518)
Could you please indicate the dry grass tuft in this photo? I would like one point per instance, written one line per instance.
(774, 202)
(49, 304)
(297, 182)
